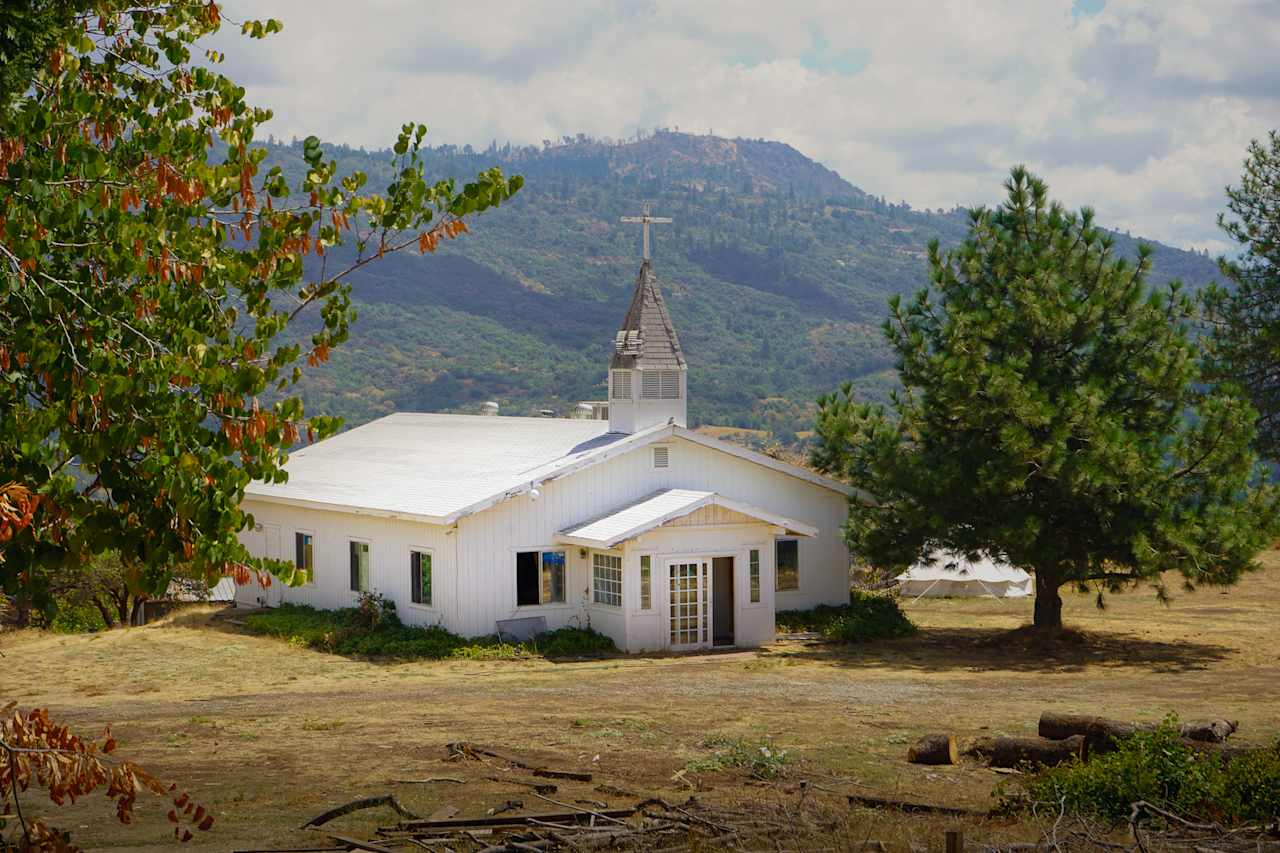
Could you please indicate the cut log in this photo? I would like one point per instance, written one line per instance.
(1013, 751)
(1103, 735)
(934, 749)
(1209, 731)
(1062, 726)
(980, 748)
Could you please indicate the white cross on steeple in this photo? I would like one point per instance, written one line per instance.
(645, 220)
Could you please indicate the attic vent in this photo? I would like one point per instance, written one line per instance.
(661, 456)
(659, 385)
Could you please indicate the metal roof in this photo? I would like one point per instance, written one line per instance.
(647, 339)
(440, 468)
(430, 466)
(655, 510)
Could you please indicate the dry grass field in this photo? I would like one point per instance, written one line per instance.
(269, 735)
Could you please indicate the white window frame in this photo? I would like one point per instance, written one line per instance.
(640, 590)
(430, 552)
(777, 575)
(759, 575)
(614, 377)
(369, 542)
(314, 546)
(595, 591)
(549, 605)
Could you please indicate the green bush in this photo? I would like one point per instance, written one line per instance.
(1158, 767)
(761, 758)
(374, 630)
(867, 616)
(77, 617)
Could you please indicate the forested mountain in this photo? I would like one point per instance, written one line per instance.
(776, 271)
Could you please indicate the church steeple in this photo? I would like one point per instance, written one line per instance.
(647, 369)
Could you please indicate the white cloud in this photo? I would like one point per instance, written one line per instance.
(1142, 111)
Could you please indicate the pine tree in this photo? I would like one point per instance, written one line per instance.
(1245, 318)
(1051, 415)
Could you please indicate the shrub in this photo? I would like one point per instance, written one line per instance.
(1157, 766)
(372, 629)
(77, 617)
(867, 616)
(761, 758)
(573, 642)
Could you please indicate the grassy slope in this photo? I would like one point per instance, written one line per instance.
(777, 272)
(269, 735)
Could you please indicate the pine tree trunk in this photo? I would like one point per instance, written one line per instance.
(1048, 615)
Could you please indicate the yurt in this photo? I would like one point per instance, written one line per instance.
(946, 574)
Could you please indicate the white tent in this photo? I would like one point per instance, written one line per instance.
(947, 574)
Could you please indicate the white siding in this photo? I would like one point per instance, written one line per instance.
(390, 541)
(487, 541)
(474, 580)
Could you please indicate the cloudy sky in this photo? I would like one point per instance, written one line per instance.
(1140, 109)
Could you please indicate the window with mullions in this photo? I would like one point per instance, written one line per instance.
(754, 566)
(606, 579)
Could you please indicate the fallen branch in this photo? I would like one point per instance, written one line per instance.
(910, 807)
(600, 814)
(540, 787)
(465, 749)
(574, 816)
(429, 780)
(357, 805)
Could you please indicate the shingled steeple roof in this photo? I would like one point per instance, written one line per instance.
(647, 339)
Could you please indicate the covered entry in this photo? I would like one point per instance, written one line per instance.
(693, 572)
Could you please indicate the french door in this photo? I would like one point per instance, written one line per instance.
(688, 618)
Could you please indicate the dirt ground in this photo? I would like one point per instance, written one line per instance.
(268, 735)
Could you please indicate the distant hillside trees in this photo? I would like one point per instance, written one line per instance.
(1052, 414)
(146, 287)
(1245, 317)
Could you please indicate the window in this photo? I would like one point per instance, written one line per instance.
(646, 581)
(621, 385)
(420, 577)
(539, 577)
(661, 456)
(359, 566)
(786, 566)
(754, 566)
(659, 385)
(606, 579)
(304, 554)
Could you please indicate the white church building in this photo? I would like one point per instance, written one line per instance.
(647, 531)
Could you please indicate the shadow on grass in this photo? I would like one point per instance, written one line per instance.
(994, 649)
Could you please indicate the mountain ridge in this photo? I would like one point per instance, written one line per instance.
(523, 309)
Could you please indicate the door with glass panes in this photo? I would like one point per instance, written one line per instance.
(688, 622)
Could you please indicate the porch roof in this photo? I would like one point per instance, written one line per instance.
(655, 510)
